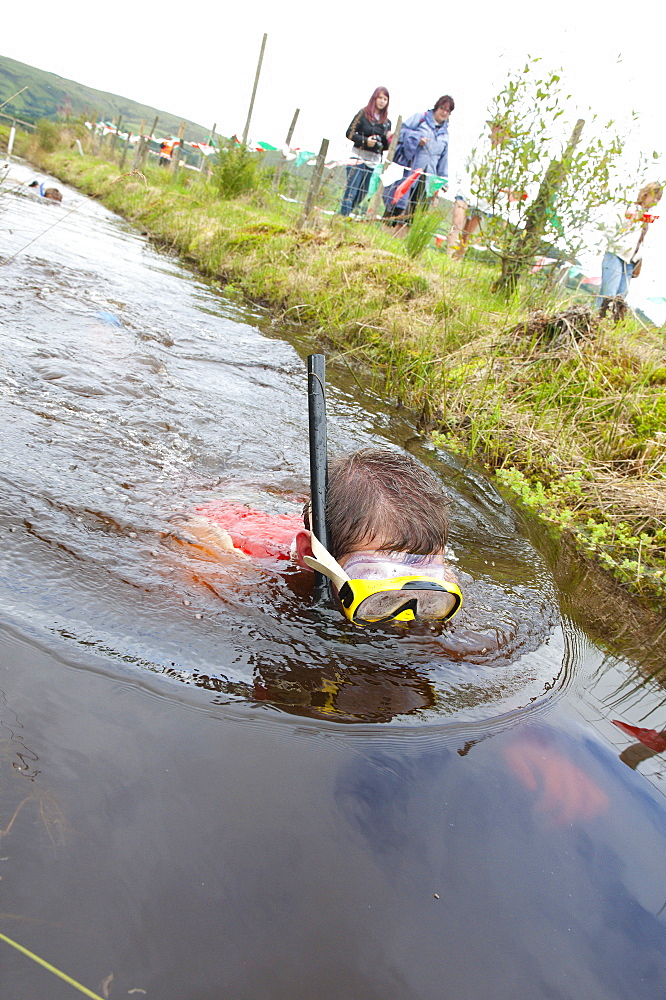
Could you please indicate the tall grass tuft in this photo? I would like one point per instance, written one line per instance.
(236, 172)
(48, 135)
(425, 224)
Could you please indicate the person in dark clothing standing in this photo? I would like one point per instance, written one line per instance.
(369, 133)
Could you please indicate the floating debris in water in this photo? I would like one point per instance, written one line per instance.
(109, 318)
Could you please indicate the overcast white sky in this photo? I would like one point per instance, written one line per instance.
(199, 62)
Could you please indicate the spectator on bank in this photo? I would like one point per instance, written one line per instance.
(424, 147)
(624, 254)
(166, 149)
(465, 223)
(369, 133)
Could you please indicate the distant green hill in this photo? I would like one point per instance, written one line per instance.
(49, 96)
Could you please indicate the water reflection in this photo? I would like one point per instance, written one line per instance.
(499, 843)
(23, 758)
(362, 695)
(649, 743)
(24, 807)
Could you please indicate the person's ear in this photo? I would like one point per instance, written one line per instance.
(303, 547)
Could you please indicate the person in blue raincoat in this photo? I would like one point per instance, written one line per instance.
(424, 147)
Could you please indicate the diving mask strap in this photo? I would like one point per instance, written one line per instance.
(322, 561)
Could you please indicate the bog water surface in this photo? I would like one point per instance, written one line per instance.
(212, 788)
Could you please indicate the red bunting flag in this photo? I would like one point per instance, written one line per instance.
(648, 737)
(404, 187)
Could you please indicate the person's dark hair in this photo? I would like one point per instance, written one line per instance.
(447, 99)
(370, 111)
(386, 497)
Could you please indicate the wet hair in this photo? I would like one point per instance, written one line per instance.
(652, 190)
(370, 111)
(384, 497)
(447, 99)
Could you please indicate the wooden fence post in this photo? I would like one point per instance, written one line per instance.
(139, 145)
(175, 152)
(94, 145)
(125, 148)
(114, 141)
(315, 181)
(254, 89)
(202, 158)
(281, 162)
(207, 166)
(146, 143)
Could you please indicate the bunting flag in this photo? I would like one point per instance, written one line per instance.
(373, 183)
(402, 189)
(648, 737)
(303, 157)
(264, 147)
(204, 148)
(434, 184)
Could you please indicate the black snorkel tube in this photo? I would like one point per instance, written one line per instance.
(318, 459)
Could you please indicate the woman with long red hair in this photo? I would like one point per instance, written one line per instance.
(369, 133)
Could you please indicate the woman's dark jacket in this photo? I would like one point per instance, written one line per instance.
(361, 129)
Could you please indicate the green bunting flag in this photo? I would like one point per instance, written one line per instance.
(434, 184)
(374, 180)
(303, 157)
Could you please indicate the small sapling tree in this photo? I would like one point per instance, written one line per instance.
(538, 182)
(235, 171)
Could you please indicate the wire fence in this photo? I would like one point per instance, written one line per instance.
(306, 179)
(302, 177)
(312, 183)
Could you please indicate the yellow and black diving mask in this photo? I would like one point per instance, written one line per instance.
(378, 587)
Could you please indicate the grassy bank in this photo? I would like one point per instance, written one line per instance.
(566, 412)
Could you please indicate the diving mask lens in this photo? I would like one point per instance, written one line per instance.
(426, 605)
(400, 586)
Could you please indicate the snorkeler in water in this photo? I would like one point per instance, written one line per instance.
(376, 526)
(387, 528)
(50, 193)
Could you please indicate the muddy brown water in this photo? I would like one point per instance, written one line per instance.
(210, 788)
